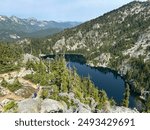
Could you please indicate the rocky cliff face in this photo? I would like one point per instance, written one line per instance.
(119, 35)
(124, 31)
(38, 105)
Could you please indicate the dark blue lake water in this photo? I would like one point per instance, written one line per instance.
(105, 79)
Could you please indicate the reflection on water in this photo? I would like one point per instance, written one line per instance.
(105, 79)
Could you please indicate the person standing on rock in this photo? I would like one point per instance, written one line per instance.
(35, 94)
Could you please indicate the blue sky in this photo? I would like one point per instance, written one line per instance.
(59, 10)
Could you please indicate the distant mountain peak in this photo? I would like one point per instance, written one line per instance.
(31, 19)
(15, 19)
(2, 18)
(15, 28)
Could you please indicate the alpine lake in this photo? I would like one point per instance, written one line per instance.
(103, 78)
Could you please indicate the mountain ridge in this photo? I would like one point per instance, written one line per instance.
(28, 27)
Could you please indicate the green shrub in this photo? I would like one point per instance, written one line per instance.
(4, 83)
(12, 87)
(112, 102)
(66, 100)
(9, 106)
(44, 93)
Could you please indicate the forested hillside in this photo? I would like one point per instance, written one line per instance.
(10, 57)
(57, 82)
(119, 40)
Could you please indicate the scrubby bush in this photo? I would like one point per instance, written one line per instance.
(12, 87)
(11, 105)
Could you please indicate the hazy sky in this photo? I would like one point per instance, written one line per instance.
(59, 10)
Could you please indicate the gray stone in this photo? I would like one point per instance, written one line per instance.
(49, 106)
(82, 109)
(29, 57)
(117, 109)
(29, 106)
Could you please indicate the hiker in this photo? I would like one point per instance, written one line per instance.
(34, 95)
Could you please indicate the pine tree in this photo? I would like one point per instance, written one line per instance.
(148, 104)
(125, 101)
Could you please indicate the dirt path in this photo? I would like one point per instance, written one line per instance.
(11, 96)
(7, 75)
(27, 83)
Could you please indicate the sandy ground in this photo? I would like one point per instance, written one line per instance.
(16, 74)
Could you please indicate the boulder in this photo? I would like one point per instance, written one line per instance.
(29, 57)
(29, 105)
(82, 109)
(118, 109)
(50, 106)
